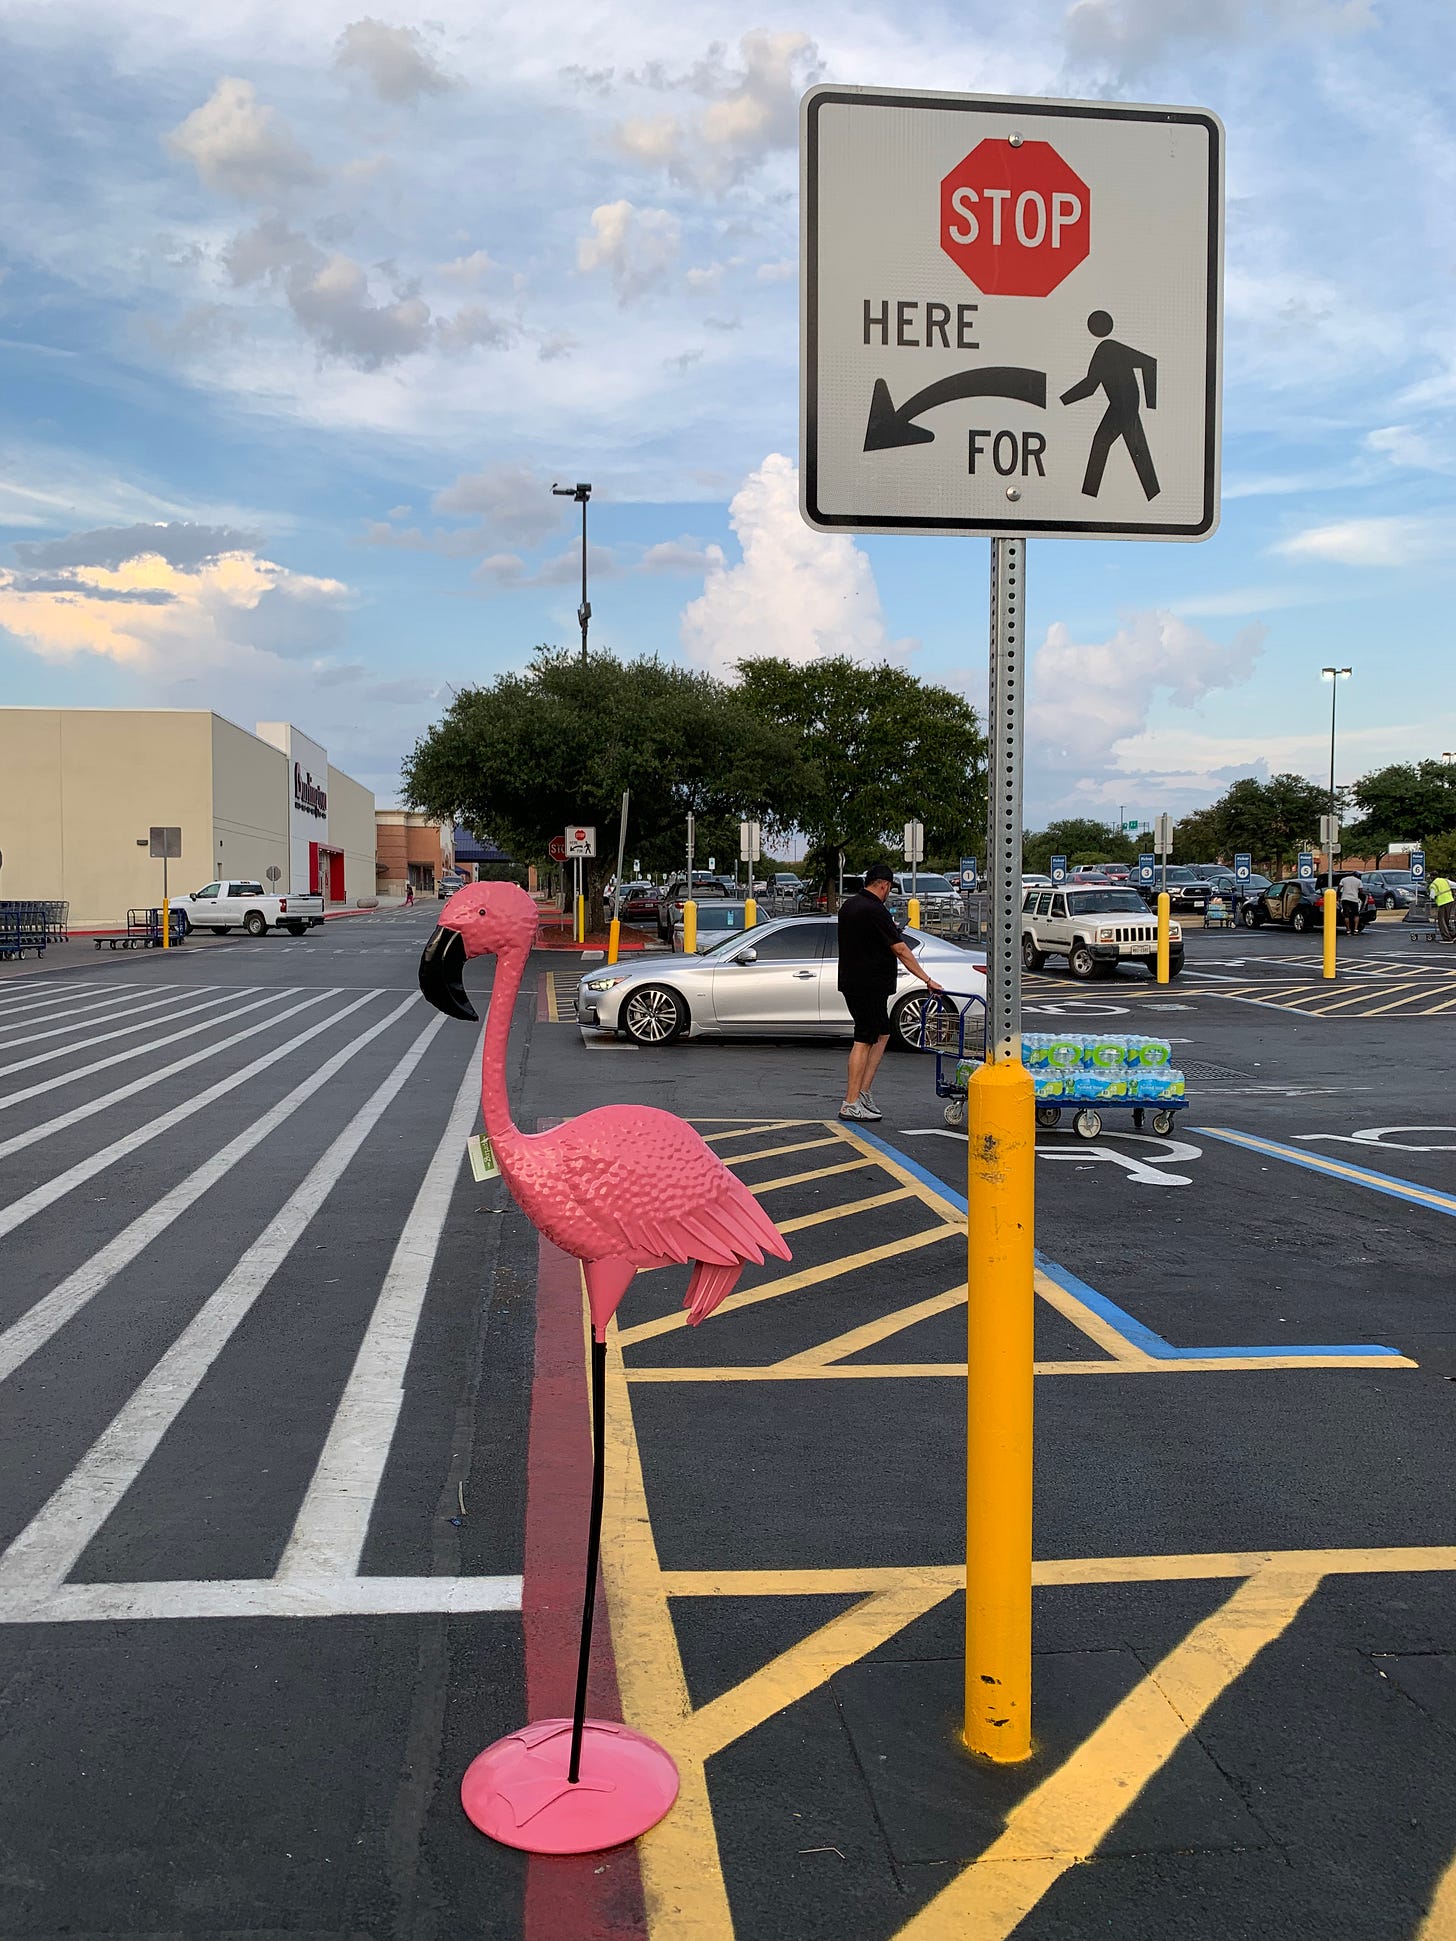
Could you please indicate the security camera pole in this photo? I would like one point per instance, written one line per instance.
(581, 493)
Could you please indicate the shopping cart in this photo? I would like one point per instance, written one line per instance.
(956, 1059)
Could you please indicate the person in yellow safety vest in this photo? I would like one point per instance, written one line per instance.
(1444, 898)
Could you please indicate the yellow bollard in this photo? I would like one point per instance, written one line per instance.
(750, 914)
(1165, 906)
(579, 929)
(1331, 914)
(614, 939)
(690, 928)
(1001, 1130)
(912, 912)
(166, 923)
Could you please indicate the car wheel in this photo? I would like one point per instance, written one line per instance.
(1249, 917)
(1031, 957)
(1390, 903)
(222, 930)
(298, 929)
(1300, 920)
(655, 1015)
(1175, 968)
(255, 923)
(914, 1022)
(1083, 964)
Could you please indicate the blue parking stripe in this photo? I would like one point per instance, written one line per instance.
(1127, 1326)
(1333, 1168)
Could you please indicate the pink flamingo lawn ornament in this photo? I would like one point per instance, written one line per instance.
(623, 1188)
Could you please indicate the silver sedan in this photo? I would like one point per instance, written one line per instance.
(778, 979)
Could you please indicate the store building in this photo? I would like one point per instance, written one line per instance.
(412, 851)
(80, 789)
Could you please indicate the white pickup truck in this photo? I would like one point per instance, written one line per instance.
(233, 903)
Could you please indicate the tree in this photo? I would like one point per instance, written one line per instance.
(561, 741)
(1272, 820)
(1080, 840)
(1198, 837)
(1406, 802)
(881, 749)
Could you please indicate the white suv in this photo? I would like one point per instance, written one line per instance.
(1095, 928)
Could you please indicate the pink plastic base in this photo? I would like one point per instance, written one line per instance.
(517, 1790)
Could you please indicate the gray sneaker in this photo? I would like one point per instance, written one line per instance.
(868, 1107)
(856, 1111)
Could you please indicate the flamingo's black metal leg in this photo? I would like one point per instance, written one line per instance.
(593, 1548)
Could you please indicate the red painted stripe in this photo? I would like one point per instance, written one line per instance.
(590, 1896)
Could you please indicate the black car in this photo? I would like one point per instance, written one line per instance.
(1187, 891)
(674, 895)
(1299, 902)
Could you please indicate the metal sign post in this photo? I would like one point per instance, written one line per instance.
(166, 842)
(1010, 316)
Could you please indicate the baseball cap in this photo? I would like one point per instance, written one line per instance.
(879, 873)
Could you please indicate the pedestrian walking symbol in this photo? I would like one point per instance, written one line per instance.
(1114, 370)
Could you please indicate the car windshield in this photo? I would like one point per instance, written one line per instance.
(1182, 874)
(1397, 877)
(1092, 904)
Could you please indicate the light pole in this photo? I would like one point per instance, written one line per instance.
(581, 493)
(1334, 675)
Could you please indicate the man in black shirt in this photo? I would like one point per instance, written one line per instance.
(871, 949)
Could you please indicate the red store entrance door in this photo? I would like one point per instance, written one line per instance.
(336, 876)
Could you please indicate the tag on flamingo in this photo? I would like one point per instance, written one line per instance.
(483, 1162)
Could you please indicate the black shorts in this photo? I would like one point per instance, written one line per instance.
(871, 1013)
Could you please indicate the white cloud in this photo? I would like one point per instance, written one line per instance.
(475, 326)
(1412, 448)
(242, 147)
(1126, 35)
(329, 295)
(509, 500)
(1089, 700)
(683, 555)
(395, 61)
(752, 111)
(471, 269)
(777, 272)
(564, 569)
(635, 246)
(1372, 542)
(160, 618)
(796, 592)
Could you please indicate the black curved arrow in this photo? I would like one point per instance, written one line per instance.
(889, 427)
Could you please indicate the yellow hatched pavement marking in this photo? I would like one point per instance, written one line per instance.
(746, 1131)
(919, 1371)
(792, 1283)
(1337, 1003)
(1068, 1816)
(1449, 1005)
(777, 1152)
(762, 1186)
(682, 1871)
(843, 1212)
(805, 1666)
(855, 1340)
(1414, 996)
(553, 1003)
(1092, 1325)
(1440, 1922)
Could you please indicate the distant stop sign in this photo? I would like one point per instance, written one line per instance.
(1015, 218)
(556, 849)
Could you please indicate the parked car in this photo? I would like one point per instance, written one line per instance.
(450, 881)
(775, 980)
(1095, 928)
(782, 889)
(234, 903)
(1393, 889)
(639, 903)
(1187, 890)
(1226, 884)
(715, 921)
(1299, 902)
(675, 894)
(939, 898)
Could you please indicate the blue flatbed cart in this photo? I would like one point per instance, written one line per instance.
(953, 1063)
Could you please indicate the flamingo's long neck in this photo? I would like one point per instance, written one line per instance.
(495, 1102)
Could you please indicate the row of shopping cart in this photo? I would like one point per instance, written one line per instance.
(31, 926)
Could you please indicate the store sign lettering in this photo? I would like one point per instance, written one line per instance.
(307, 795)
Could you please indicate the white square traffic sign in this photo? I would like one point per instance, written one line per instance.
(1011, 315)
(580, 841)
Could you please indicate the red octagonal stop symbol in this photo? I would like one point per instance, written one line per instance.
(1015, 218)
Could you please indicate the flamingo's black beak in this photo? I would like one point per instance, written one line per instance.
(442, 975)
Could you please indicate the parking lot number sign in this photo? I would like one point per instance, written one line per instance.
(1059, 869)
(1306, 866)
(1418, 865)
(1147, 868)
(580, 841)
(1010, 315)
(1243, 866)
(968, 872)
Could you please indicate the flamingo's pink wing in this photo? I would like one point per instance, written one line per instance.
(639, 1184)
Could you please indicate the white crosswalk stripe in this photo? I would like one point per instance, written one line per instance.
(123, 1031)
(113, 1004)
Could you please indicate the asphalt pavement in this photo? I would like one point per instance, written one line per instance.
(292, 1460)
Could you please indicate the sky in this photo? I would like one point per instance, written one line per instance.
(304, 310)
